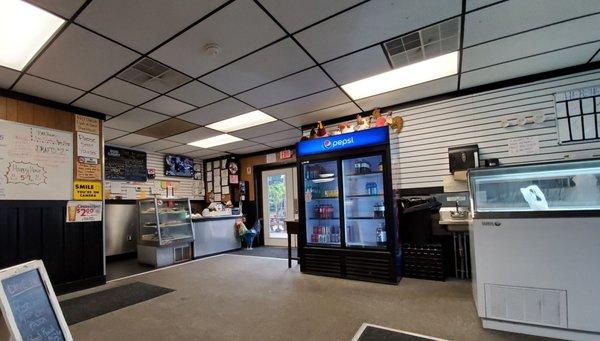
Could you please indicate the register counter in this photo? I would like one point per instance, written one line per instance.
(215, 235)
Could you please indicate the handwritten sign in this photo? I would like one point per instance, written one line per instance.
(124, 164)
(35, 163)
(29, 304)
(88, 145)
(82, 211)
(87, 124)
(87, 190)
(523, 146)
(85, 171)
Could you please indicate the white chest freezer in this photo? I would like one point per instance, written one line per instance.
(535, 248)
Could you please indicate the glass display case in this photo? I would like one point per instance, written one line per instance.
(322, 203)
(561, 186)
(164, 222)
(364, 204)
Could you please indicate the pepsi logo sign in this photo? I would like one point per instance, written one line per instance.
(327, 143)
(337, 143)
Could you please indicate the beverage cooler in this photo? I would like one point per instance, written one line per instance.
(347, 222)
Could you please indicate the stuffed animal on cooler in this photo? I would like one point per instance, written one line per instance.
(313, 134)
(380, 121)
(321, 131)
(345, 128)
(396, 123)
(361, 123)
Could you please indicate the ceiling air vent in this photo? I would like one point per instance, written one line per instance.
(429, 42)
(154, 76)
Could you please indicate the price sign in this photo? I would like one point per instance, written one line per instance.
(83, 211)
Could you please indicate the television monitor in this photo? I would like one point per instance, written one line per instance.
(177, 165)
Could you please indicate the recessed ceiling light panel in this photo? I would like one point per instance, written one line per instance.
(24, 29)
(215, 141)
(427, 70)
(247, 120)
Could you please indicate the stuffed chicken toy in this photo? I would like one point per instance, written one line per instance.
(345, 128)
(321, 131)
(380, 121)
(361, 123)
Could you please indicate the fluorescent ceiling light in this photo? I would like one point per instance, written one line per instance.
(215, 141)
(24, 29)
(247, 120)
(424, 71)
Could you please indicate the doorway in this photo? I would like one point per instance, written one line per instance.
(279, 203)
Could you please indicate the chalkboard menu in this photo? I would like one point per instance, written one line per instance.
(124, 164)
(31, 308)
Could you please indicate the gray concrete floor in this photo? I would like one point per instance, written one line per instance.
(233, 297)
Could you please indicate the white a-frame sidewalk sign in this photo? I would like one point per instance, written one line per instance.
(29, 306)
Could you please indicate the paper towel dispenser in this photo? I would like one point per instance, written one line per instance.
(461, 158)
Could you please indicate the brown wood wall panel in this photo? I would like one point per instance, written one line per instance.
(2, 108)
(11, 109)
(25, 112)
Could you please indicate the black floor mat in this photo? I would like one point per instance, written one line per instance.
(89, 306)
(371, 333)
(267, 251)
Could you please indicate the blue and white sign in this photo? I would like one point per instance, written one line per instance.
(363, 138)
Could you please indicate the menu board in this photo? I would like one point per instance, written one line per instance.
(30, 305)
(35, 163)
(124, 164)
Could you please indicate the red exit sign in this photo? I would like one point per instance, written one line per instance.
(285, 154)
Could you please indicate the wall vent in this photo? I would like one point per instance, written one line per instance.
(429, 42)
(181, 254)
(528, 305)
(153, 75)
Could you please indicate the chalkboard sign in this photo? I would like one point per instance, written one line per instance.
(29, 305)
(124, 164)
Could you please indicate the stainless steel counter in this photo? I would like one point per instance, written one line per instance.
(214, 235)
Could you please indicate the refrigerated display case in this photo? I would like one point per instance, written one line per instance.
(349, 229)
(165, 231)
(534, 248)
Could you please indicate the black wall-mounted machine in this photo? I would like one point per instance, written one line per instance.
(492, 162)
(461, 158)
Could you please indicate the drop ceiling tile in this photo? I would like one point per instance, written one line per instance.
(532, 42)
(596, 58)
(7, 77)
(275, 61)
(291, 135)
(201, 153)
(239, 28)
(322, 115)
(294, 14)
(294, 86)
(167, 106)
(167, 128)
(101, 104)
(64, 8)
(371, 23)
(130, 140)
(527, 66)
(324, 99)
(253, 149)
(282, 143)
(157, 145)
(516, 16)
(261, 129)
(221, 110)
(143, 25)
(194, 135)
(46, 89)
(81, 59)
(431, 88)
(124, 92)
(180, 149)
(234, 146)
(359, 65)
(197, 94)
(135, 119)
(215, 155)
(110, 133)
(474, 4)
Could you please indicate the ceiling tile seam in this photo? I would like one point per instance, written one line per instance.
(46, 46)
(330, 17)
(461, 41)
(107, 38)
(300, 97)
(593, 56)
(52, 81)
(274, 80)
(314, 111)
(135, 107)
(305, 50)
(387, 56)
(534, 29)
(163, 121)
(485, 6)
(147, 54)
(533, 55)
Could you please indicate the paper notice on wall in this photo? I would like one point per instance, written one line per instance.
(88, 145)
(115, 187)
(81, 211)
(131, 193)
(272, 157)
(87, 124)
(225, 190)
(523, 146)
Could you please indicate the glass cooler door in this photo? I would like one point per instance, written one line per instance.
(322, 203)
(364, 204)
(174, 220)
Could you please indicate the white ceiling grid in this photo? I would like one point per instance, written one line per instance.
(287, 58)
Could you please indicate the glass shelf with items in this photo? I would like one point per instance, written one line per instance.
(164, 221)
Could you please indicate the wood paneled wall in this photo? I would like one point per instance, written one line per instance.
(35, 114)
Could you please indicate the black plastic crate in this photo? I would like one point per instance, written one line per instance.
(424, 261)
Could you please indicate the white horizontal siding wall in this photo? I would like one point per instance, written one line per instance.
(420, 151)
(156, 161)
